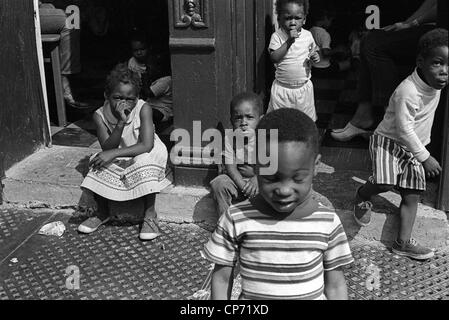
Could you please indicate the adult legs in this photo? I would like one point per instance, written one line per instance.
(381, 53)
(70, 57)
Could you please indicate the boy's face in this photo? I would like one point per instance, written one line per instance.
(434, 67)
(292, 17)
(292, 183)
(245, 116)
(140, 51)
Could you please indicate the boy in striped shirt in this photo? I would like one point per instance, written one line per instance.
(400, 158)
(288, 245)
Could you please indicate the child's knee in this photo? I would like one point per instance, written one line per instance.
(411, 197)
(221, 184)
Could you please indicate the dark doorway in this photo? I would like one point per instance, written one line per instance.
(105, 29)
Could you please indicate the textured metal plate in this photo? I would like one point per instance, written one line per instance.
(112, 263)
(378, 274)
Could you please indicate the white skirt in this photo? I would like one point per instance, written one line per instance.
(131, 178)
(301, 98)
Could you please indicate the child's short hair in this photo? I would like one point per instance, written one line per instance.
(252, 97)
(122, 74)
(293, 126)
(431, 40)
(280, 4)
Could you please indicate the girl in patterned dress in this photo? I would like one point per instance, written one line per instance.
(132, 163)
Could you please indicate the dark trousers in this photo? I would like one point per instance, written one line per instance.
(386, 58)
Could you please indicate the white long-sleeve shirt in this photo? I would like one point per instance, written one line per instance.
(410, 114)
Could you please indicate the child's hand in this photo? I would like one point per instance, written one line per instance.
(293, 35)
(102, 159)
(432, 167)
(123, 110)
(315, 57)
(251, 188)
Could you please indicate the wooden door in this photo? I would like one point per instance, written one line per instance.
(217, 50)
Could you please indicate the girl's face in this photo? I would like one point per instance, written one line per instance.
(122, 94)
(140, 51)
(292, 17)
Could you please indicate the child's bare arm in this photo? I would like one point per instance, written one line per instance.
(222, 281)
(144, 145)
(146, 135)
(279, 54)
(335, 285)
(108, 142)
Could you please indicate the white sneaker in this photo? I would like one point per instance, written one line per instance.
(92, 224)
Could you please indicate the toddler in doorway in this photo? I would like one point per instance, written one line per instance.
(292, 50)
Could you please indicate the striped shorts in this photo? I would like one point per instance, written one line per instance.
(393, 165)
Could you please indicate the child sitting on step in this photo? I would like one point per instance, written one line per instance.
(239, 181)
(132, 163)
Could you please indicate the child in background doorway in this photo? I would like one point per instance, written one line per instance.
(132, 163)
(400, 158)
(239, 181)
(155, 77)
(292, 50)
(329, 64)
(288, 245)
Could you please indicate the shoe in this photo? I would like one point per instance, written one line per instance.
(349, 132)
(362, 210)
(412, 249)
(77, 104)
(73, 103)
(92, 224)
(149, 230)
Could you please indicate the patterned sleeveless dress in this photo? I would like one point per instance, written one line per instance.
(129, 178)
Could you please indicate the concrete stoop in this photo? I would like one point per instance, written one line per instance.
(51, 177)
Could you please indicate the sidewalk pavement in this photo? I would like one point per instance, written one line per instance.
(50, 178)
(113, 263)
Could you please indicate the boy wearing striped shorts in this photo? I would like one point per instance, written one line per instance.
(287, 244)
(400, 158)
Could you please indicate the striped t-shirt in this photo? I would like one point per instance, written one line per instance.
(282, 256)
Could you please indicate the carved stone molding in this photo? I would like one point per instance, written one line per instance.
(191, 13)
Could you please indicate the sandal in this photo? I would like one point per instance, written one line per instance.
(149, 230)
